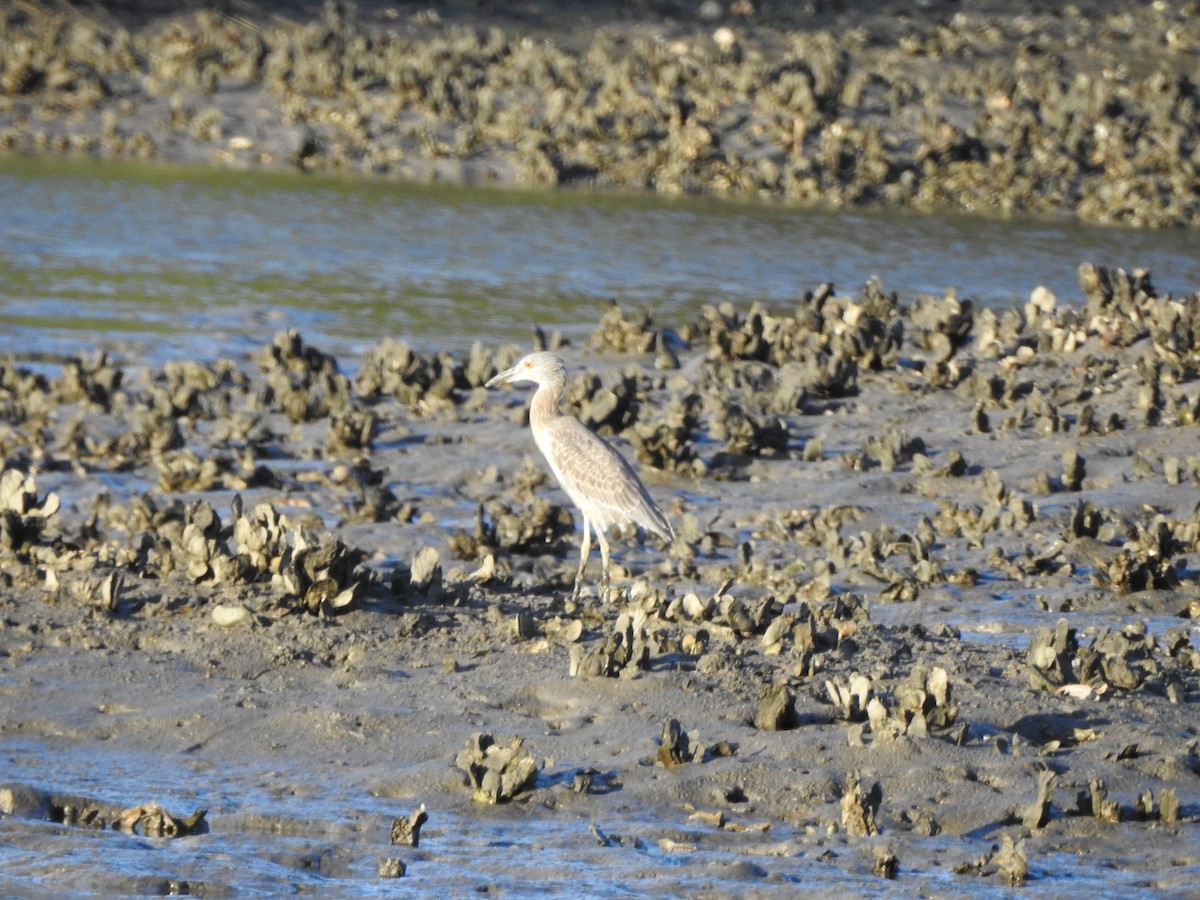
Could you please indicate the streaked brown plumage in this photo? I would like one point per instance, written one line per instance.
(595, 476)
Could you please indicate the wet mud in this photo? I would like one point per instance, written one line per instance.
(928, 614)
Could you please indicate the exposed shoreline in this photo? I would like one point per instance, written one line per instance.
(846, 483)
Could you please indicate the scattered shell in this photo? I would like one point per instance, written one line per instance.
(859, 807)
(407, 831)
(147, 819)
(776, 709)
(151, 820)
(425, 578)
(225, 616)
(1082, 691)
(1096, 801)
(392, 867)
(1038, 814)
(670, 845)
(676, 747)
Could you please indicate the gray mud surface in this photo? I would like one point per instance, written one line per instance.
(901, 529)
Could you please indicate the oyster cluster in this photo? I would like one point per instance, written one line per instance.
(192, 428)
(25, 518)
(1126, 659)
(1034, 112)
(497, 773)
(624, 653)
(920, 702)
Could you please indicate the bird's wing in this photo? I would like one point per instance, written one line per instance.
(599, 480)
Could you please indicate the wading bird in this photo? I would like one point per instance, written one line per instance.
(595, 476)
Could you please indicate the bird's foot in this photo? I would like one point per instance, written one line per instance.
(605, 588)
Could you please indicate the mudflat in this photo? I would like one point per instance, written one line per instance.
(930, 608)
(929, 611)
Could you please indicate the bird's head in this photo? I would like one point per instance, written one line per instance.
(540, 368)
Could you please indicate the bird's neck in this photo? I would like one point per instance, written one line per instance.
(543, 409)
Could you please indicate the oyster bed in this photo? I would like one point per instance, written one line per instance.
(929, 614)
(1088, 109)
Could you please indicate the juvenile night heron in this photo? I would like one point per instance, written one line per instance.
(597, 479)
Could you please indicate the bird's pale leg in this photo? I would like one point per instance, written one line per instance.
(605, 559)
(585, 548)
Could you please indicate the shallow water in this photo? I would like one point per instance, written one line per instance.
(212, 263)
(270, 835)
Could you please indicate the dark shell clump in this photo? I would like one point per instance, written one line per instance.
(1031, 110)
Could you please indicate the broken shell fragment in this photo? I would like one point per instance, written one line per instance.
(675, 747)
(233, 614)
(859, 807)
